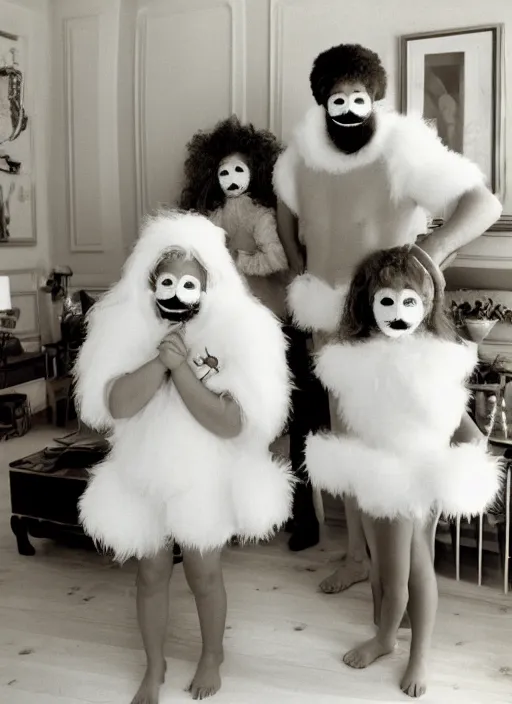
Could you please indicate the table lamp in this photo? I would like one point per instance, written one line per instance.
(5, 294)
(8, 317)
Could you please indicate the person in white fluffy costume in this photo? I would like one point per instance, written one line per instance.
(187, 372)
(398, 373)
(359, 177)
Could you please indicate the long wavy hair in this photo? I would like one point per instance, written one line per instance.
(202, 191)
(392, 268)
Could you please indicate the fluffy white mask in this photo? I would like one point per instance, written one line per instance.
(398, 313)
(234, 176)
(357, 105)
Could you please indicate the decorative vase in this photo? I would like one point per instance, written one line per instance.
(479, 329)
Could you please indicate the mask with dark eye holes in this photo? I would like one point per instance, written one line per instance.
(234, 176)
(398, 313)
(177, 297)
(349, 110)
(350, 119)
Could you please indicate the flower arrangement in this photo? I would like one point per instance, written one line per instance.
(480, 310)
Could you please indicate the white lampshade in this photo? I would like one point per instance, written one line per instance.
(5, 293)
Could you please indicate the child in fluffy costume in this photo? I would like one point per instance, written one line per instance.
(187, 372)
(228, 177)
(398, 373)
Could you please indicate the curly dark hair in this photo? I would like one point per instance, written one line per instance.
(384, 269)
(202, 191)
(348, 62)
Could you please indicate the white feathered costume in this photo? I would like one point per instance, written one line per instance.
(166, 475)
(402, 400)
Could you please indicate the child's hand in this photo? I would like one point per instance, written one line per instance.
(172, 351)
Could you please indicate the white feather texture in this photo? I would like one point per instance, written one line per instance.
(402, 401)
(420, 167)
(167, 476)
(314, 304)
(319, 153)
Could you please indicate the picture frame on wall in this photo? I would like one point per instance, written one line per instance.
(17, 203)
(454, 79)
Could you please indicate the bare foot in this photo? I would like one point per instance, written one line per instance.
(414, 682)
(348, 573)
(150, 686)
(206, 681)
(366, 653)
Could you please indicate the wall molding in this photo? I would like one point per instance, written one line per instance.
(238, 75)
(277, 12)
(68, 24)
(503, 225)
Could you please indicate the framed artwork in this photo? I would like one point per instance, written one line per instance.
(17, 207)
(454, 79)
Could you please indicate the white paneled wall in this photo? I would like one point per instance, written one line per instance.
(85, 187)
(135, 79)
(190, 72)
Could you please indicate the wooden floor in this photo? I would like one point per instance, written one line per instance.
(68, 633)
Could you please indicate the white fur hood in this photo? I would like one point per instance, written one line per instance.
(124, 330)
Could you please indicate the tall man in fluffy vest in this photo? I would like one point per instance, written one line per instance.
(357, 177)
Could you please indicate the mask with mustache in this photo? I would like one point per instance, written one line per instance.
(398, 313)
(177, 298)
(350, 120)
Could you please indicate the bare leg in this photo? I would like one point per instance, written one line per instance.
(393, 547)
(204, 577)
(354, 566)
(369, 531)
(422, 608)
(153, 612)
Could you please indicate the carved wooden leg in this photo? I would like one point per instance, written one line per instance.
(20, 529)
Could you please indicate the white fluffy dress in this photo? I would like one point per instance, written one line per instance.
(402, 400)
(167, 477)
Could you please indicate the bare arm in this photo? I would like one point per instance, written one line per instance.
(287, 229)
(476, 211)
(131, 392)
(217, 413)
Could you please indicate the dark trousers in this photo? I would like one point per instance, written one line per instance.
(309, 413)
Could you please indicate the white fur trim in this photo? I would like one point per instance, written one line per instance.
(176, 478)
(402, 401)
(320, 154)
(459, 481)
(285, 178)
(314, 304)
(420, 167)
(117, 516)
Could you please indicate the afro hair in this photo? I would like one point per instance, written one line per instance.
(351, 63)
(202, 191)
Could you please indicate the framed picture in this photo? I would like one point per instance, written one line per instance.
(17, 206)
(454, 79)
